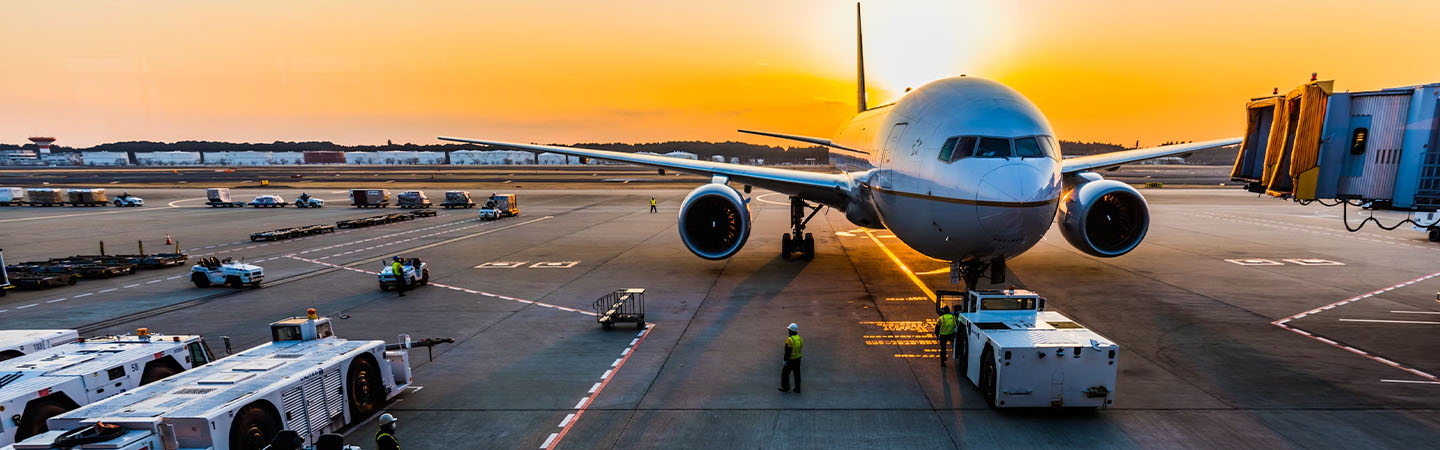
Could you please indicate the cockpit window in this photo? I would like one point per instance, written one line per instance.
(993, 148)
(957, 147)
(1028, 148)
(1051, 149)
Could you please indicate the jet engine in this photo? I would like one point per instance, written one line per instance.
(1104, 218)
(714, 221)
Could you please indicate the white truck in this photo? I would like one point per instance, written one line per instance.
(12, 196)
(1021, 355)
(213, 271)
(49, 382)
(16, 343)
(305, 379)
(125, 199)
(1428, 222)
(417, 273)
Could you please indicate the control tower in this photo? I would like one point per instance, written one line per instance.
(43, 143)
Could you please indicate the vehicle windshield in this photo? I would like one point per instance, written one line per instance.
(1028, 148)
(285, 333)
(1007, 304)
(993, 148)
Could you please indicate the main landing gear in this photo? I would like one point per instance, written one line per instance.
(971, 272)
(798, 241)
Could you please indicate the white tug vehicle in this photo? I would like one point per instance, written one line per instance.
(1021, 355)
(16, 343)
(213, 271)
(48, 382)
(305, 380)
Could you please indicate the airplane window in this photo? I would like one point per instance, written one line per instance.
(966, 147)
(993, 148)
(1357, 141)
(947, 151)
(1028, 148)
(1052, 150)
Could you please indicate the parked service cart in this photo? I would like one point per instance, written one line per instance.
(49, 382)
(1021, 355)
(369, 198)
(220, 198)
(416, 273)
(306, 201)
(458, 199)
(213, 271)
(305, 380)
(86, 197)
(44, 197)
(126, 199)
(623, 305)
(269, 201)
(12, 196)
(412, 199)
(16, 343)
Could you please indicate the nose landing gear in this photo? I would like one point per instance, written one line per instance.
(798, 241)
(971, 272)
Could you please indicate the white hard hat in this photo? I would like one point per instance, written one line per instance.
(386, 419)
(794, 327)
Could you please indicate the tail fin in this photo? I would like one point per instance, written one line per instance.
(860, 60)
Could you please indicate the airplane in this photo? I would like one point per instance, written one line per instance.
(961, 169)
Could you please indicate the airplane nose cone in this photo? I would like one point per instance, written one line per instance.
(1012, 201)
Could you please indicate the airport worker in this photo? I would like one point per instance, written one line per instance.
(945, 331)
(401, 281)
(793, 346)
(385, 437)
(652, 205)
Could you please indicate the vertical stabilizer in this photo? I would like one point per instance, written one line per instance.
(860, 60)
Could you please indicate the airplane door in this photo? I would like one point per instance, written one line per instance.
(891, 143)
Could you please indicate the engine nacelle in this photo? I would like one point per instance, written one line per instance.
(1104, 218)
(714, 221)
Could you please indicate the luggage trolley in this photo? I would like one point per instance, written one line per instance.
(623, 305)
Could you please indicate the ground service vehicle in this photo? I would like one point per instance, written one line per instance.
(292, 232)
(305, 380)
(212, 271)
(417, 273)
(15, 343)
(44, 197)
(1428, 222)
(306, 201)
(457, 199)
(220, 198)
(412, 199)
(86, 197)
(12, 196)
(126, 199)
(49, 382)
(370, 198)
(1021, 355)
(269, 201)
(500, 205)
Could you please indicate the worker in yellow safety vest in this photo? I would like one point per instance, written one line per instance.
(945, 331)
(793, 345)
(401, 282)
(385, 437)
(652, 205)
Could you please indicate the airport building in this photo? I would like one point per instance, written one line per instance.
(105, 158)
(167, 158)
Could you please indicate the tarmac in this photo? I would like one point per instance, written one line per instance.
(1243, 322)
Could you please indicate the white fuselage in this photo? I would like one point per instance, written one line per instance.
(976, 206)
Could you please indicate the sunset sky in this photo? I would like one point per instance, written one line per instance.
(362, 72)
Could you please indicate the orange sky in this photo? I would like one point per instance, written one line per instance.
(361, 71)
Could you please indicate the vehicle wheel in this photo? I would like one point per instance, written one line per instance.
(962, 361)
(117, 203)
(1435, 235)
(200, 280)
(786, 247)
(252, 429)
(33, 421)
(234, 282)
(987, 376)
(156, 372)
(70, 281)
(424, 277)
(364, 389)
(384, 287)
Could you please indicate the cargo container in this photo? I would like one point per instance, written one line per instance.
(324, 157)
(44, 197)
(12, 196)
(220, 198)
(86, 197)
(412, 199)
(370, 198)
(458, 199)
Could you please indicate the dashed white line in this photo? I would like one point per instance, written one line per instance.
(1410, 381)
(592, 391)
(175, 277)
(58, 300)
(549, 440)
(1416, 312)
(582, 403)
(626, 352)
(129, 286)
(607, 374)
(616, 363)
(27, 306)
(108, 290)
(568, 417)
(1418, 322)
(87, 294)
(153, 281)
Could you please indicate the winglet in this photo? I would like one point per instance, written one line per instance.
(860, 60)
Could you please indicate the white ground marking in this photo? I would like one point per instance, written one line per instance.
(1416, 312)
(1421, 322)
(1410, 381)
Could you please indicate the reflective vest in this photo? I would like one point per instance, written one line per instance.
(652, 202)
(795, 344)
(385, 441)
(396, 270)
(946, 324)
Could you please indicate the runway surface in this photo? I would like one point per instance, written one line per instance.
(1244, 322)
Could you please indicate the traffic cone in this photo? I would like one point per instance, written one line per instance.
(168, 241)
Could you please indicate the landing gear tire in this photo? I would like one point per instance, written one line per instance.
(797, 240)
(807, 247)
(787, 246)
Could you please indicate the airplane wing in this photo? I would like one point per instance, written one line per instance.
(1113, 159)
(828, 188)
(805, 139)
